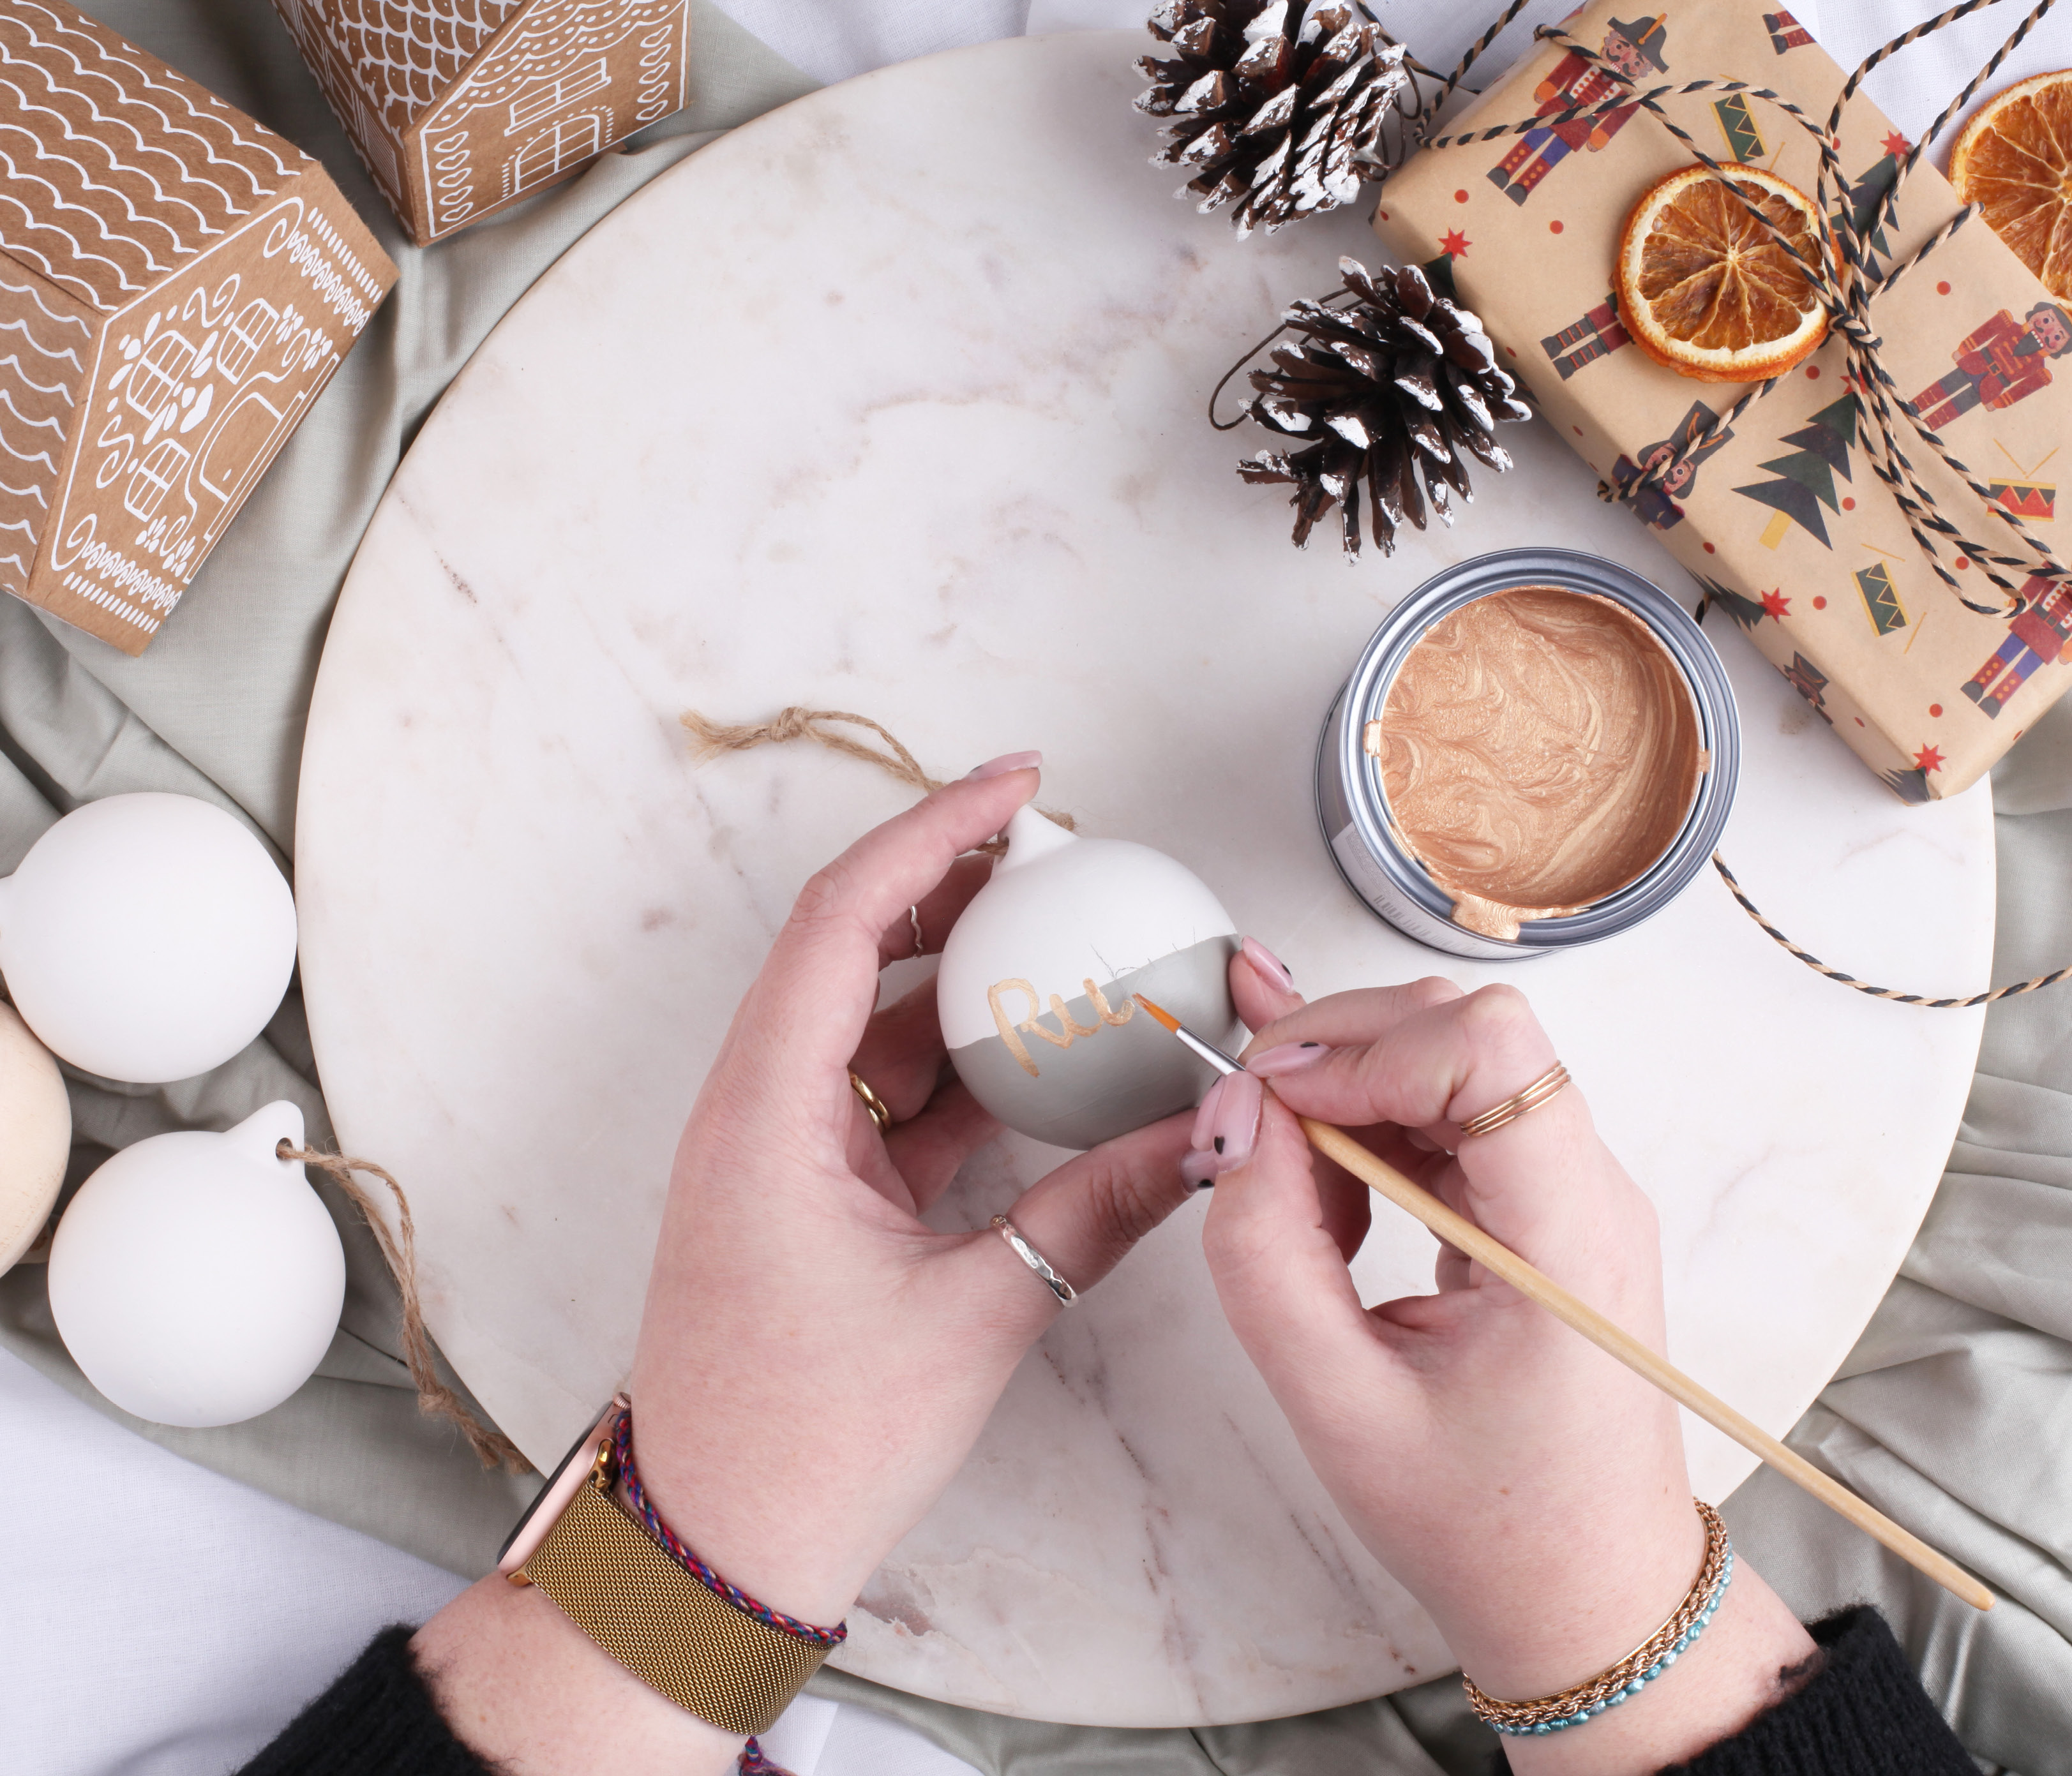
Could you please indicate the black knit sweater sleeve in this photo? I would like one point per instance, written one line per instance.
(1865, 1714)
(377, 1719)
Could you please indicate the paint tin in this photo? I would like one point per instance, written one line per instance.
(1352, 802)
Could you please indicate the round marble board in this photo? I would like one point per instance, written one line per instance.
(892, 401)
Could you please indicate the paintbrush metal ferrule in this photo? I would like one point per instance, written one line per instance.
(1208, 1051)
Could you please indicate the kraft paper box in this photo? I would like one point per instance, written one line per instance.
(177, 283)
(459, 107)
(1784, 522)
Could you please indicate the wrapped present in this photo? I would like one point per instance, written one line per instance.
(177, 283)
(1927, 662)
(459, 107)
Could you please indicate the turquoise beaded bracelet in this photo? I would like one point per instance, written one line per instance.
(1646, 1662)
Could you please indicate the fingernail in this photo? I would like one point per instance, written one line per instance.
(1235, 1126)
(1205, 1120)
(1269, 965)
(1006, 762)
(1198, 1169)
(1419, 1139)
(1288, 1057)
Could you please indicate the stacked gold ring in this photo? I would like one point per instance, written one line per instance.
(1544, 1089)
(881, 1112)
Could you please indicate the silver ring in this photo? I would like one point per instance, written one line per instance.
(1035, 1260)
(914, 919)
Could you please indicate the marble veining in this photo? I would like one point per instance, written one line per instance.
(893, 401)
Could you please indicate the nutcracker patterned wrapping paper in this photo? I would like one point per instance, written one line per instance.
(1783, 521)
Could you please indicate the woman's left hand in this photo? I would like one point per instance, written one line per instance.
(815, 1363)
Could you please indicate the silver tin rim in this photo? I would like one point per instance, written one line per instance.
(1343, 766)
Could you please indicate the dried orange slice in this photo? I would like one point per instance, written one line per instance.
(1707, 291)
(2014, 160)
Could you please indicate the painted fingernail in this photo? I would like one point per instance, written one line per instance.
(1205, 1120)
(1419, 1139)
(1235, 1125)
(1199, 1170)
(1006, 762)
(1288, 1057)
(1269, 965)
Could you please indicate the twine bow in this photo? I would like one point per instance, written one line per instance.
(1847, 295)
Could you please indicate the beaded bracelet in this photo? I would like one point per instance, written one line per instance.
(1646, 1662)
(753, 1761)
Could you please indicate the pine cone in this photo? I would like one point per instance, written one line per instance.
(1397, 381)
(1284, 125)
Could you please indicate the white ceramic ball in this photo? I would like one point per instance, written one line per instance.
(196, 1278)
(36, 1136)
(1034, 993)
(146, 937)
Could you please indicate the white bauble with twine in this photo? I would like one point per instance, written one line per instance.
(1034, 991)
(36, 1136)
(197, 1278)
(146, 937)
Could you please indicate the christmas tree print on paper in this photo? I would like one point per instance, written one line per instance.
(1805, 479)
(1744, 140)
(1909, 785)
(2034, 501)
(1634, 48)
(1809, 682)
(1881, 598)
(1786, 32)
(1598, 334)
(2035, 638)
(2005, 362)
(1860, 201)
(1746, 612)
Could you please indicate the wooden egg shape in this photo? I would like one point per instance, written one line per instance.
(1034, 992)
(35, 1135)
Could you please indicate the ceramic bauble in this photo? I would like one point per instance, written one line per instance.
(146, 937)
(36, 1136)
(1037, 976)
(196, 1278)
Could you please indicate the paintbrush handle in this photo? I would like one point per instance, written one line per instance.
(1495, 1256)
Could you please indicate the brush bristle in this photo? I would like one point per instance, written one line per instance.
(1159, 1012)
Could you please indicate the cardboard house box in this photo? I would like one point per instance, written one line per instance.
(460, 107)
(177, 283)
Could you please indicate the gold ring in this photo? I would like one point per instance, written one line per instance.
(920, 942)
(1543, 1090)
(881, 1112)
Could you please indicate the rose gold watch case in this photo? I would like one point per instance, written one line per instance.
(552, 1498)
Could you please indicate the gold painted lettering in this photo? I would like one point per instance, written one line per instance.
(1012, 1030)
(1005, 1025)
(1107, 1016)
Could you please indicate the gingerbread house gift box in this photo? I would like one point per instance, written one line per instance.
(1782, 521)
(460, 107)
(177, 283)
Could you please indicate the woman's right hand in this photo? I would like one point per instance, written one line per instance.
(1527, 1488)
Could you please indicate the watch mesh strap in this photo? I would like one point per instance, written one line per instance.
(662, 1625)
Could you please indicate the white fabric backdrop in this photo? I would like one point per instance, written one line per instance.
(161, 1620)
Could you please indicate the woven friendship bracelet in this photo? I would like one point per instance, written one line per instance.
(1646, 1662)
(622, 1450)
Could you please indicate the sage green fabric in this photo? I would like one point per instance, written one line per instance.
(215, 708)
(1953, 1413)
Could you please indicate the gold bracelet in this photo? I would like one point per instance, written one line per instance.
(1647, 1661)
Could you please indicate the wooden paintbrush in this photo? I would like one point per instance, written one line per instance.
(1500, 1260)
